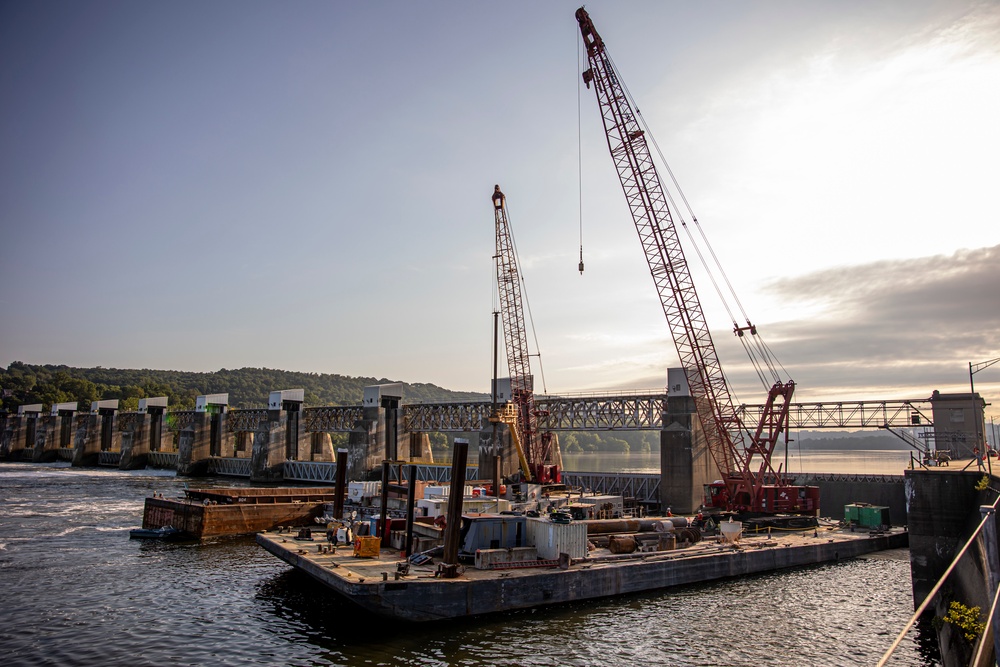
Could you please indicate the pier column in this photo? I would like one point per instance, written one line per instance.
(283, 437)
(55, 432)
(385, 399)
(193, 443)
(87, 442)
(685, 463)
(504, 445)
(375, 437)
(99, 433)
(5, 434)
(24, 431)
(140, 430)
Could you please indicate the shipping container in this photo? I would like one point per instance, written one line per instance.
(552, 539)
(874, 516)
(362, 493)
(492, 531)
(852, 512)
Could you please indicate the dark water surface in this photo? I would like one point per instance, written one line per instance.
(74, 590)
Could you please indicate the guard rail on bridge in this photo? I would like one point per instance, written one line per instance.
(635, 412)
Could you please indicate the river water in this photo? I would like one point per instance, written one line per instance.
(74, 590)
(845, 461)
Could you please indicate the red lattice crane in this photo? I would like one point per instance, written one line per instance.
(521, 415)
(743, 488)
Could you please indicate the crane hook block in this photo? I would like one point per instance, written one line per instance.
(497, 197)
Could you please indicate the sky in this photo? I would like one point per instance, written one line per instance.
(306, 186)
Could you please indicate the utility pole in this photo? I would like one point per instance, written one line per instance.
(980, 440)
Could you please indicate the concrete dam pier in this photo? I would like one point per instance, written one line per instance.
(288, 441)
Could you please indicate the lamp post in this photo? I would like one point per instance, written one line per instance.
(973, 369)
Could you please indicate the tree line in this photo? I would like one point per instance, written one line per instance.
(48, 384)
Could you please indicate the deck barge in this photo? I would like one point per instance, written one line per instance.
(206, 513)
(419, 595)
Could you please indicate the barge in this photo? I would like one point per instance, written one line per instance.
(389, 585)
(206, 513)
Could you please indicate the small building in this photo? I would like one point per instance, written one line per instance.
(959, 423)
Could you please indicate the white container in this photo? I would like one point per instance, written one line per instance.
(360, 492)
(731, 531)
(486, 505)
(443, 491)
(552, 539)
(433, 506)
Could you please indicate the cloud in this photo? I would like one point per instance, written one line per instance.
(890, 325)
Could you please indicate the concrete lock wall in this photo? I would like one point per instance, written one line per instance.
(944, 510)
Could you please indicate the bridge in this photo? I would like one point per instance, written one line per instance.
(290, 442)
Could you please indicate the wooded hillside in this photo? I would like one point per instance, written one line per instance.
(24, 383)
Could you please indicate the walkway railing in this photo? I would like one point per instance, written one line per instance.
(109, 459)
(230, 467)
(310, 471)
(987, 529)
(644, 487)
(431, 472)
(162, 460)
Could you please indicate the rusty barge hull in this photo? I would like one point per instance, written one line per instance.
(235, 511)
(420, 596)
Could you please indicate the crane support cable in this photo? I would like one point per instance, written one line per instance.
(579, 144)
(768, 357)
(527, 304)
(694, 218)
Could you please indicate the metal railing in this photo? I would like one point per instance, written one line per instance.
(167, 460)
(992, 619)
(230, 467)
(431, 472)
(109, 459)
(310, 471)
(644, 487)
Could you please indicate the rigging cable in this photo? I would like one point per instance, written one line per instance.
(758, 351)
(527, 305)
(579, 138)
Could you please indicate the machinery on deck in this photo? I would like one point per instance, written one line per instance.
(750, 484)
(520, 415)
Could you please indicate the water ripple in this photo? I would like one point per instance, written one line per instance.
(78, 592)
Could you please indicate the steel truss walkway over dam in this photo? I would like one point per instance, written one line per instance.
(637, 412)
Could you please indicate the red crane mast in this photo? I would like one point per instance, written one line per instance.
(763, 490)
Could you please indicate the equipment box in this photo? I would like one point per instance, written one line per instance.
(874, 517)
(366, 546)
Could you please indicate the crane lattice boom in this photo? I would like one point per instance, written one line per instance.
(516, 339)
(658, 235)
